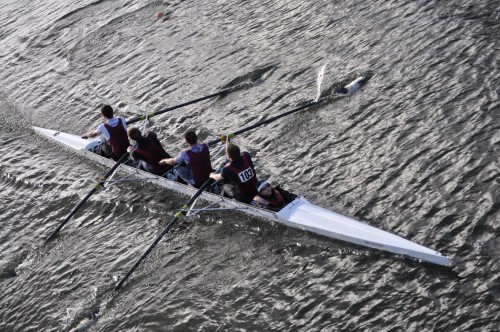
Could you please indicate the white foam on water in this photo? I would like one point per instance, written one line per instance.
(319, 80)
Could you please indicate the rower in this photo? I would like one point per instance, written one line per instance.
(148, 152)
(196, 158)
(239, 175)
(114, 131)
(272, 198)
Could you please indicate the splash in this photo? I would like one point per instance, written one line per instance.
(321, 75)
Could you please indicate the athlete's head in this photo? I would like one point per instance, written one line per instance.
(190, 137)
(134, 134)
(233, 151)
(262, 187)
(107, 111)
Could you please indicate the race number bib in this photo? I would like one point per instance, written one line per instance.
(246, 175)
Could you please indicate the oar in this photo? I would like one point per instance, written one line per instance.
(350, 88)
(221, 92)
(97, 186)
(178, 216)
(205, 185)
(181, 212)
(138, 118)
(264, 122)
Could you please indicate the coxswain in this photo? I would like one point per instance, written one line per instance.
(272, 198)
(148, 152)
(114, 131)
(238, 175)
(197, 162)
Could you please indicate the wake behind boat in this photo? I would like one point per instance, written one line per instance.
(299, 214)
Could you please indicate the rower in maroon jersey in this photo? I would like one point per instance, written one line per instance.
(114, 131)
(238, 175)
(197, 161)
(148, 152)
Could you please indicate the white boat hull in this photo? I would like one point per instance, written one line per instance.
(299, 214)
(302, 214)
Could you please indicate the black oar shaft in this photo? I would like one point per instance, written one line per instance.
(82, 202)
(165, 231)
(205, 185)
(139, 118)
(71, 214)
(151, 247)
(264, 122)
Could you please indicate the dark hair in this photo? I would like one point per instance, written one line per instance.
(190, 137)
(134, 134)
(233, 151)
(107, 111)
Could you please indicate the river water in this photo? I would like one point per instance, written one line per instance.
(414, 152)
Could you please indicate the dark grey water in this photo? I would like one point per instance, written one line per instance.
(415, 152)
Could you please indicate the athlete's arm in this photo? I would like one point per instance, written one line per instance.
(167, 161)
(216, 177)
(90, 134)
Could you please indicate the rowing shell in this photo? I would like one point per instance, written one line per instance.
(299, 214)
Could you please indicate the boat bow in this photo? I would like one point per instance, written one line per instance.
(302, 214)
